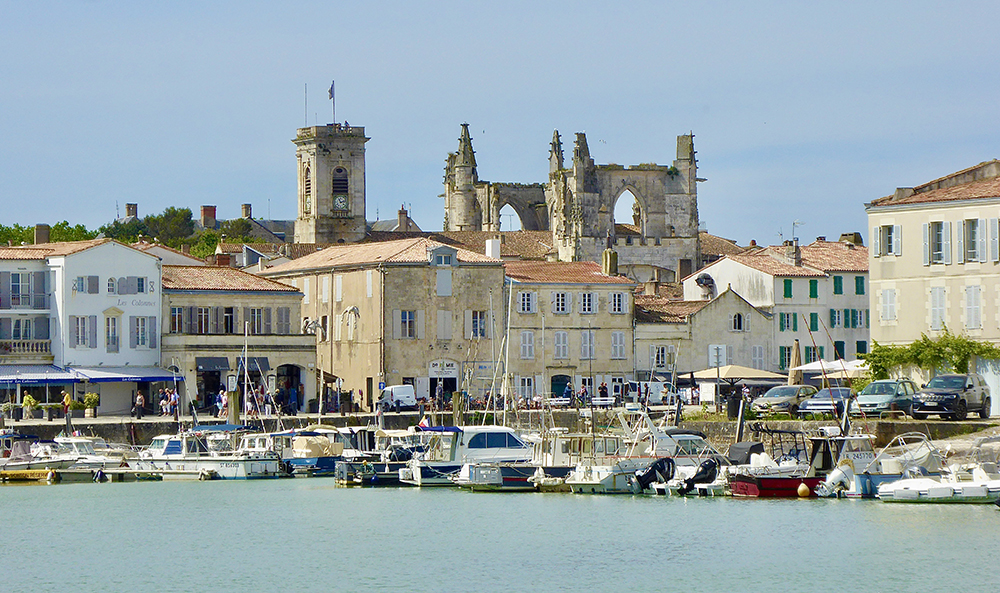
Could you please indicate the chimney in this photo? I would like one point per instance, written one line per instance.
(404, 219)
(650, 287)
(245, 211)
(493, 247)
(132, 210)
(186, 249)
(792, 252)
(41, 233)
(208, 217)
(609, 262)
(821, 239)
(223, 259)
(854, 238)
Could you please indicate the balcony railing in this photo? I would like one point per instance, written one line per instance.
(25, 347)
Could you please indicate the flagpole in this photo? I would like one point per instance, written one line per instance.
(333, 101)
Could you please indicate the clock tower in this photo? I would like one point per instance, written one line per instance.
(331, 167)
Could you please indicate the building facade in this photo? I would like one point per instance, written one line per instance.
(331, 179)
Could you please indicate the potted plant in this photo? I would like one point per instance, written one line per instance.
(29, 404)
(8, 409)
(76, 408)
(90, 402)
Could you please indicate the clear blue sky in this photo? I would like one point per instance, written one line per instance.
(800, 110)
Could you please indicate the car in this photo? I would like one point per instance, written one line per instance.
(953, 396)
(885, 396)
(398, 395)
(826, 401)
(783, 399)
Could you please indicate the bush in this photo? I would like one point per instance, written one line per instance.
(91, 400)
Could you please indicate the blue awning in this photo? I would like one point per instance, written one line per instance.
(35, 374)
(255, 364)
(212, 363)
(126, 374)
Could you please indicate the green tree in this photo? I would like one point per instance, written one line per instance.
(237, 230)
(62, 231)
(203, 244)
(16, 234)
(125, 232)
(171, 227)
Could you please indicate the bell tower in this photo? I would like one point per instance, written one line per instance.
(331, 174)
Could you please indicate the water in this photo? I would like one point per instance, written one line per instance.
(309, 535)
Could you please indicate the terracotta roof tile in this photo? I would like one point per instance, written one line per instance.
(581, 272)
(835, 256)
(401, 251)
(717, 245)
(218, 278)
(657, 309)
(43, 250)
(939, 189)
(513, 244)
(23, 253)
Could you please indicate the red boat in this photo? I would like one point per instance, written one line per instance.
(770, 486)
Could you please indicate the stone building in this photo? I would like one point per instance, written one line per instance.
(409, 311)
(570, 323)
(211, 313)
(935, 254)
(331, 180)
(577, 206)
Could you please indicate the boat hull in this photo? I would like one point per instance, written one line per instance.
(224, 469)
(515, 477)
(750, 486)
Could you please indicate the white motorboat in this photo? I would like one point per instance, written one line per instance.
(974, 481)
(453, 447)
(854, 477)
(207, 453)
(16, 453)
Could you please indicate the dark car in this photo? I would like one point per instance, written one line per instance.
(826, 401)
(953, 396)
(885, 396)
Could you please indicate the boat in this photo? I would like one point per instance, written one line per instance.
(303, 452)
(452, 447)
(975, 481)
(17, 454)
(911, 452)
(207, 453)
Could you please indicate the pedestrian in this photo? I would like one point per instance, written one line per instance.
(220, 403)
(568, 393)
(66, 401)
(140, 402)
(225, 403)
(583, 394)
(175, 404)
(602, 391)
(439, 394)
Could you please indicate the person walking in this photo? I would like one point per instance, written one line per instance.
(66, 401)
(140, 402)
(175, 404)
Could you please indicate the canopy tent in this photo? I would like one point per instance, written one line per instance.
(734, 372)
(853, 370)
(820, 366)
(113, 374)
(35, 374)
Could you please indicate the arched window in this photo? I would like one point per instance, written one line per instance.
(738, 322)
(111, 286)
(307, 191)
(340, 184)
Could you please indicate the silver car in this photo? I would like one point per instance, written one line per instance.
(783, 399)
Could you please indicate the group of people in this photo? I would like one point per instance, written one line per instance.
(260, 402)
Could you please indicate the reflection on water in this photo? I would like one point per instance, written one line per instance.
(309, 535)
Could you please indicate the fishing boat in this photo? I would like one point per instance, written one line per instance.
(452, 447)
(207, 453)
(975, 480)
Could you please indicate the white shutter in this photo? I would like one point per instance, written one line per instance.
(729, 354)
(397, 326)
(981, 234)
(534, 302)
(897, 240)
(338, 287)
(539, 380)
(927, 245)
(946, 247)
(960, 241)
(876, 241)
(420, 324)
(468, 324)
(994, 239)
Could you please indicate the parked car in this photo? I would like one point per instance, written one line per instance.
(953, 396)
(783, 399)
(826, 401)
(884, 396)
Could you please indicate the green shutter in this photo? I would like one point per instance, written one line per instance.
(838, 285)
(788, 288)
(795, 322)
(820, 353)
(781, 356)
(847, 318)
(859, 285)
(814, 322)
(866, 318)
(838, 349)
(814, 289)
(862, 347)
(833, 318)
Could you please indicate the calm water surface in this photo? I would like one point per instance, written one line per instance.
(309, 535)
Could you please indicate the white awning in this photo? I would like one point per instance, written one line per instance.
(137, 374)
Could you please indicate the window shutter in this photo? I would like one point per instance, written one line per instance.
(552, 302)
(267, 320)
(187, 313)
(133, 285)
(946, 232)
(92, 287)
(859, 285)
(781, 356)
(876, 241)
(151, 332)
(397, 323)
(821, 357)
(246, 318)
(534, 302)
(994, 239)
(781, 322)
(897, 240)
(795, 322)
(833, 318)
(960, 240)
(39, 290)
(420, 324)
(92, 331)
(927, 245)
(4, 290)
(133, 331)
(468, 324)
(729, 354)
(215, 313)
(981, 235)
(284, 320)
(41, 328)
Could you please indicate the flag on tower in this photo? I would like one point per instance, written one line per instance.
(331, 90)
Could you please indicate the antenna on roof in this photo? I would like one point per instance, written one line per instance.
(118, 213)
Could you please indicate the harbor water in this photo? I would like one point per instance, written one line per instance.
(310, 535)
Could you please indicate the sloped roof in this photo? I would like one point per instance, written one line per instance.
(835, 256)
(770, 263)
(717, 245)
(43, 250)
(402, 251)
(218, 278)
(580, 272)
(513, 244)
(972, 183)
(238, 247)
(658, 309)
(148, 246)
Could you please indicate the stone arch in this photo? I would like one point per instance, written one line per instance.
(639, 199)
(528, 202)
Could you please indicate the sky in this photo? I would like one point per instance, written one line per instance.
(801, 111)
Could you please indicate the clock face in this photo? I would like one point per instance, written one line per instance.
(340, 202)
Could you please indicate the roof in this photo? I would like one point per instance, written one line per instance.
(818, 259)
(658, 309)
(977, 182)
(580, 272)
(718, 245)
(43, 250)
(223, 247)
(147, 246)
(402, 251)
(218, 278)
(513, 244)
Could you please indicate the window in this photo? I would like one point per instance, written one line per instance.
(788, 322)
(814, 322)
(307, 191)
(972, 240)
(21, 329)
(937, 243)
(324, 326)
(887, 240)
(140, 285)
(587, 300)
(479, 321)
(838, 350)
(889, 304)
(142, 333)
(812, 354)
(788, 288)
(757, 357)
(111, 286)
(526, 388)
(560, 303)
(814, 289)
(618, 345)
(838, 285)
(442, 260)
(20, 289)
(859, 285)
(256, 320)
(561, 345)
(618, 303)
(176, 320)
(408, 324)
(737, 325)
(662, 357)
(79, 284)
(526, 302)
(937, 307)
(587, 345)
(80, 329)
(973, 318)
(784, 357)
(228, 320)
(111, 334)
(861, 347)
(527, 345)
(201, 317)
(835, 318)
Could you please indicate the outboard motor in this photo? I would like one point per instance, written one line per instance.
(836, 482)
(707, 472)
(915, 471)
(400, 454)
(660, 470)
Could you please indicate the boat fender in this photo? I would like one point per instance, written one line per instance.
(51, 476)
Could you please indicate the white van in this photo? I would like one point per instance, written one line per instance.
(403, 394)
(660, 393)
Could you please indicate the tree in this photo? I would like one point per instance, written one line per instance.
(16, 234)
(237, 230)
(125, 232)
(948, 352)
(204, 243)
(62, 231)
(172, 226)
